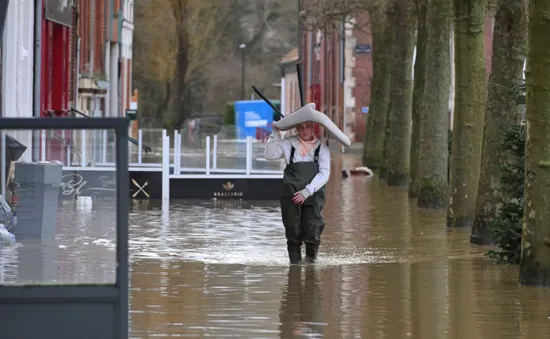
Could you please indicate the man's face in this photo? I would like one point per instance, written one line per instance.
(305, 131)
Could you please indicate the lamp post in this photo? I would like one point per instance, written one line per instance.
(243, 50)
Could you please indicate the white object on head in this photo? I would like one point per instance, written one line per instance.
(309, 113)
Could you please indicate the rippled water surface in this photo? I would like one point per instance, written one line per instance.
(219, 269)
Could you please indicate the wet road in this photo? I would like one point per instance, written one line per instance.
(219, 269)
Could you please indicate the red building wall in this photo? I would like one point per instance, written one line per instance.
(85, 27)
(362, 73)
(56, 77)
(56, 66)
(325, 87)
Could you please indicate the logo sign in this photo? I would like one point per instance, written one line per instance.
(365, 109)
(228, 191)
(74, 185)
(140, 188)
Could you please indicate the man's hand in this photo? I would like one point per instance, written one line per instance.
(298, 198)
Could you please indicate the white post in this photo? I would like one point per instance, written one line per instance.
(104, 148)
(248, 155)
(3, 153)
(165, 171)
(215, 153)
(283, 96)
(207, 155)
(69, 150)
(43, 145)
(140, 145)
(177, 153)
(65, 143)
(83, 147)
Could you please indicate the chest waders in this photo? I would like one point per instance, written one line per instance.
(303, 223)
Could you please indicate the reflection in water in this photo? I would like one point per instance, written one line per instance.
(219, 269)
(301, 304)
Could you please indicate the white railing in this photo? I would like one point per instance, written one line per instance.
(216, 157)
(210, 169)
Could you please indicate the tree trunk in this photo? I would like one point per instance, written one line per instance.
(374, 151)
(418, 93)
(384, 167)
(507, 66)
(399, 142)
(377, 29)
(469, 110)
(176, 99)
(434, 132)
(535, 246)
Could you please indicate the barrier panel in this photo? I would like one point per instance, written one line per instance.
(63, 263)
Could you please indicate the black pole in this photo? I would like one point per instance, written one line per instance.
(268, 101)
(300, 84)
(242, 73)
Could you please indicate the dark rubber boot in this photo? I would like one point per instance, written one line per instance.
(294, 253)
(311, 253)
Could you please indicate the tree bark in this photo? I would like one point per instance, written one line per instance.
(418, 94)
(176, 101)
(434, 133)
(377, 29)
(535, 247)
(399, 142)
(469, 110)
(509, 35)
(373, 156)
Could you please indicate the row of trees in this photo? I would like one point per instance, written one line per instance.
(409, 127)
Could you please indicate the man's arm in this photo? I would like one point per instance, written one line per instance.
(274, 149)
(321, 178)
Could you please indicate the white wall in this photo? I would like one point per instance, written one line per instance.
(349, 82)
(17, 67)
(126, 52)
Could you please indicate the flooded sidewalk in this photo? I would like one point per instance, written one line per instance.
(220, 269)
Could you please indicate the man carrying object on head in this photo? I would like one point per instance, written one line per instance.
(305, 176)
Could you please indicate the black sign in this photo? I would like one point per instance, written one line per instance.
(101, 185)
(60, 11)
(362, 48)
(131, 114)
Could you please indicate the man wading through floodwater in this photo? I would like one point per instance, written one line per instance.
(303, 198)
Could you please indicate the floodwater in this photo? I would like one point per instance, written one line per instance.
(219, 269)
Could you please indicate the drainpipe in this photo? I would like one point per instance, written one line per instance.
(300, 36)
(310, 61)
(342, 76)
(3, 13)
(36, 76)
(77, 71)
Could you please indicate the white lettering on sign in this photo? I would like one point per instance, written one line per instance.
(253, 119)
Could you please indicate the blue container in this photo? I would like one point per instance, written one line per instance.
(250, 115)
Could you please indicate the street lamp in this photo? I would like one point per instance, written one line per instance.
(243, 49)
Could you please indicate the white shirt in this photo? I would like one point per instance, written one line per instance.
(277, 149)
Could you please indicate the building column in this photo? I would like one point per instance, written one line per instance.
(113, 81)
